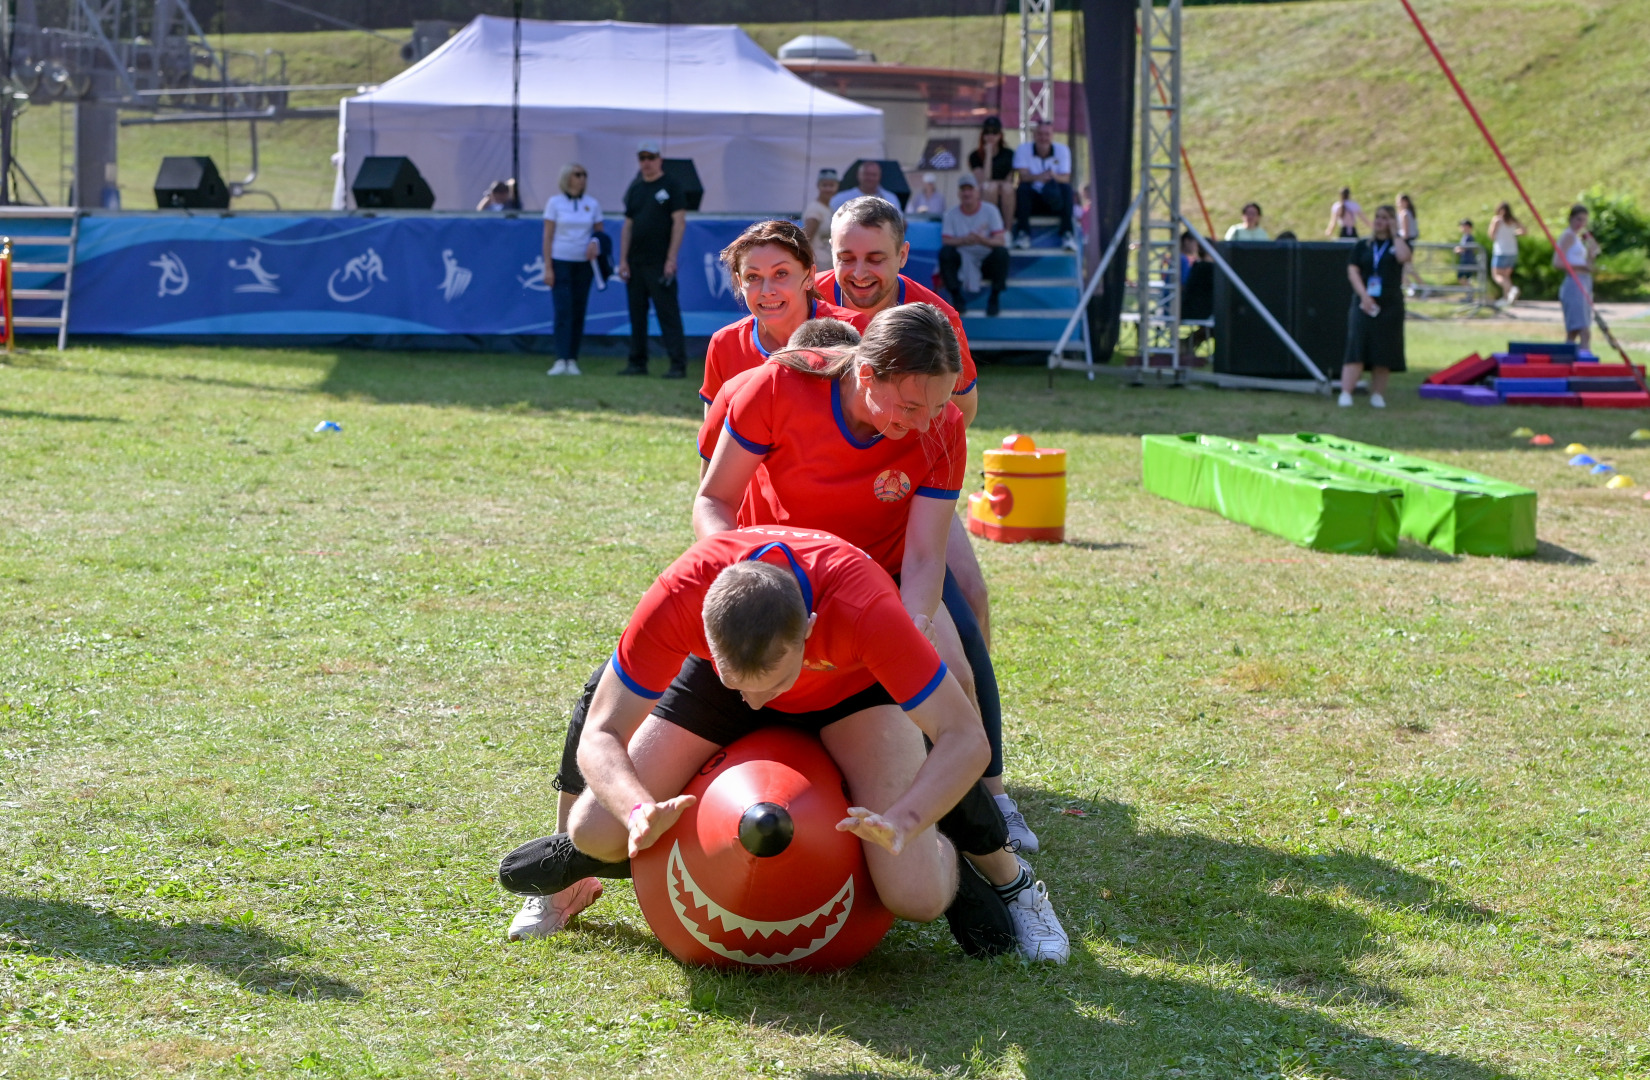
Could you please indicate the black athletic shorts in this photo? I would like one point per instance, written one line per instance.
(697, 701)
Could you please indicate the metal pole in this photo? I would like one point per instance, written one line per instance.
(6, 114)
(1237, 283)
(515, 113)
(1117, 238)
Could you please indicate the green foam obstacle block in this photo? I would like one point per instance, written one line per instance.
(1275, 491)
(1453, 510)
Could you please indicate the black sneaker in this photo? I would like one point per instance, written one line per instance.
(633, 369)
(979, 919)
(675, 373)
(546, 866)
(994, 306)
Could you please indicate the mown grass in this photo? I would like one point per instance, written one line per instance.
(272, 704)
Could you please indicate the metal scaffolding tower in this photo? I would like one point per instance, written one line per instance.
(1157, 266)
(1036, 65)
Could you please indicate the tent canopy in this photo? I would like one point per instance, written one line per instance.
(590, 91)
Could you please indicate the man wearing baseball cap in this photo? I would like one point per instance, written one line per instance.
(655, 213)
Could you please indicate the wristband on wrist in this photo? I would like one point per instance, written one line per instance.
(631, 816)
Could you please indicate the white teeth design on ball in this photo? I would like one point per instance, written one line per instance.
(677, 871)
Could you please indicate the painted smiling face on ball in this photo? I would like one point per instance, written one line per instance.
(756, 874)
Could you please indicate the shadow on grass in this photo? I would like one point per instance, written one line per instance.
(1552, 553)
(66, 418)
(244, 953)
(1273, 939)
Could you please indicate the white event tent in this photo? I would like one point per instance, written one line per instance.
(590, 92)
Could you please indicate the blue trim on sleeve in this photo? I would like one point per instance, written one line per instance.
(964, 389)
(708, 401)
(753, 447)
(922, 695)
(938, 493)
(631, 684)
(842, 421)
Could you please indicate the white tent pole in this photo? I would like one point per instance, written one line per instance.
(1237, 282)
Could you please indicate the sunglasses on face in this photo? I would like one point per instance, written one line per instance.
(647, 157)
(576, 174)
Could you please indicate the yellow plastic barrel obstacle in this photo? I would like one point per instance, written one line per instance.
(1024, 496)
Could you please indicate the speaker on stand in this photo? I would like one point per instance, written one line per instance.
(190, 183)
(391, 183)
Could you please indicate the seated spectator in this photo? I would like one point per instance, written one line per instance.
(870, 183)
(992, 164)
(930, 200)
(1287, 236)
(816, 219)
(501, 196)
(1251, 227)
(973, 242)
(1188, 255)
(1045, 186)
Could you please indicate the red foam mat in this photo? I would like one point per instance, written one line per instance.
(1635, 400)
(1605, 371)
(1533, 371)
(1462, 372)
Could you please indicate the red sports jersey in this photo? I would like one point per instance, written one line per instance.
(737, 347)
(912, 293)
(862, 634)
(814, 471)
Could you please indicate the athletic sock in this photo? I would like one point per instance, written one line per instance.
(1016, 887)
(550, 864)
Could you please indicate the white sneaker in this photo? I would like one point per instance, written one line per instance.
(1017, 827)
(1069, 241)
(558, 368)
(572, 368)
(1345, 401)
(541, 916)
(1512, 296)
(1376, 401)
(1037, 931)
(1022, 242)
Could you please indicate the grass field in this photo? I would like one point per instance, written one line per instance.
(273, 703)
(1285, 102)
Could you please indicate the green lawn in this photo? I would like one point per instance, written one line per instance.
(273, 703)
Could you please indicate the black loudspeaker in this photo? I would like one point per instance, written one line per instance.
(893, 178)
(1244, 344)
(1306, 289)
(686, 176)
(1323, 302)
(191, 182)
(391, 183)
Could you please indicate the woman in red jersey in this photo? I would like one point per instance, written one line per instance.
(863, 442)
(772, 267)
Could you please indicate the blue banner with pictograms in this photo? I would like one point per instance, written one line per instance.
(283, 275)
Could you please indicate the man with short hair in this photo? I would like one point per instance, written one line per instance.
(758, 626)
(973, 248)
(1045, 185)
(870, 183)
(655, 214)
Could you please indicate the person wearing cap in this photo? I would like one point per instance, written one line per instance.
(870, 183)
(974, 246)
(655, 214)
(816, 219)
(930, 200)
(992, 164)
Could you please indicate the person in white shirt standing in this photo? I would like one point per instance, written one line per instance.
(973, 248)
(816, 219)
(571, 221)
(1045, 185)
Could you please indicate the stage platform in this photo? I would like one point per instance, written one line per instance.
(401, 277)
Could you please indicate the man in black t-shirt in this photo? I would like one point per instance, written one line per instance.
(654, 216)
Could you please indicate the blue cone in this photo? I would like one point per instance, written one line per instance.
(1584, 459)
(1600, 468)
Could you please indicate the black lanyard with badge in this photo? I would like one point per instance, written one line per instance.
(1373, 284)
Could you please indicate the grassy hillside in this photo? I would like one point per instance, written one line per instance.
(1286, 103)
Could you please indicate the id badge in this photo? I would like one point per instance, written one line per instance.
(1373, 286)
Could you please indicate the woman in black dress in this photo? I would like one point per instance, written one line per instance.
(992, 164)
(1375, 325)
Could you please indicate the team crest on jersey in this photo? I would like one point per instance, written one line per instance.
(891, 485)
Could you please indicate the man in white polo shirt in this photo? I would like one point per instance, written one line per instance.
(1045, 185)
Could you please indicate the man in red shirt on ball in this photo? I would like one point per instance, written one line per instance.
(770, 625)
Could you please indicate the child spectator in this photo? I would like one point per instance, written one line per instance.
(1466, 254)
